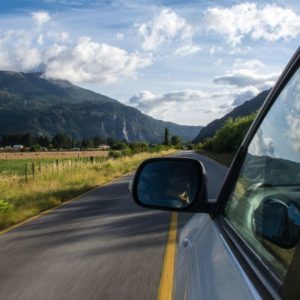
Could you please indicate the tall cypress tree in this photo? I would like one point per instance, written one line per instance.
(167, 139)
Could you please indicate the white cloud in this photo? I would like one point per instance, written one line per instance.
(199, 106)
(58, 37)
(270, 22)
(40, 17)
(262, 145)
(90, 61)
(248, 64)
(58, 57)
(293, 123)
(166, 27)
(244, 94)
(188, 49)
(18, 52)
(165, 106)
(245, 81)
(246, 77)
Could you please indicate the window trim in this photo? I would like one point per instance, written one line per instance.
(263, 277)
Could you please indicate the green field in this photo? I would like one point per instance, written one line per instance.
(19, 166)
(22, 197)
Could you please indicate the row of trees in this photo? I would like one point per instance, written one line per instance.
(59, 141)
(64, 141)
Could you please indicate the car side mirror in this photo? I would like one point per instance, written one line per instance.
(278, 222)
(170, 183)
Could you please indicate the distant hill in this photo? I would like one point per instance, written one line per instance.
(31, 103)
(245, 109)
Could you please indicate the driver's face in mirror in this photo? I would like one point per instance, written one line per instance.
(178, 187)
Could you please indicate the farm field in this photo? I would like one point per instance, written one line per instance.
(51, 154)
(28, 187)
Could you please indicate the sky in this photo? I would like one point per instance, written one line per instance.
(188, 62)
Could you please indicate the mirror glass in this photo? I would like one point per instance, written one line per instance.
(169, 183)
(278, 222)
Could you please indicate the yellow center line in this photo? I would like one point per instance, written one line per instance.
(167, 275)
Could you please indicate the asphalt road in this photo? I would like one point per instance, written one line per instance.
(100, 246)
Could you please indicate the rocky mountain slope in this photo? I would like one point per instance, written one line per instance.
(31, 103)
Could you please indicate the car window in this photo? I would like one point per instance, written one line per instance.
(264, 207)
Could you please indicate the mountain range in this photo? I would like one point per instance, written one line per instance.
(31, 103)
(244, 109)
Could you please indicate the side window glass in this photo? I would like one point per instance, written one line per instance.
(264, 207)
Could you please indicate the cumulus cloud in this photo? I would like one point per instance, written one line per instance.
(244, 78)
(293, 123)
(89, 61)
(270, 22)
(165, 106)
(262, 145)
(18, 53)
(40, 17)
(175, 104)
(165, 27)
(55, 54)
(244, 94)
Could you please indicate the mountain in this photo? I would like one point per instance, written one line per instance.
(245, 109)
(31, 103)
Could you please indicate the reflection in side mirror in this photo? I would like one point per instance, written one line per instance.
(278, 222)
(168, 183)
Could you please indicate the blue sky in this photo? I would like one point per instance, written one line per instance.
(183, 61)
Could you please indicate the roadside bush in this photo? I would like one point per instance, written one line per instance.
(5, 206)
(115, 153)
(119, 146)
(139, 147)
(229, 137)
(127, 152)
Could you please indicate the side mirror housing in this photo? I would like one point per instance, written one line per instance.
(171, 183)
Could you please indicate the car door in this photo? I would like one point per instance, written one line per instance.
(249, 247)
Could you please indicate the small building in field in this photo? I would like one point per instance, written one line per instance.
(103, 147)
(18, 147)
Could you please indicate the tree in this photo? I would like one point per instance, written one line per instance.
(167, 139)
(27, 140)
(44, 141)
(61, 140)
(175, 140)
(87, 143)
(119, 146)
(98, 140)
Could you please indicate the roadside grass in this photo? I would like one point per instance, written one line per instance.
(20, 200)
(223, 158)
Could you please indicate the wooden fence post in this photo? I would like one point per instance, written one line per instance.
(33, 169)
(26, 173)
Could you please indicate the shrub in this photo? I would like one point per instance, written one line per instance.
(229, 137)
(115, 153)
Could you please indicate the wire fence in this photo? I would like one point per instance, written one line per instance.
(36, 168)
